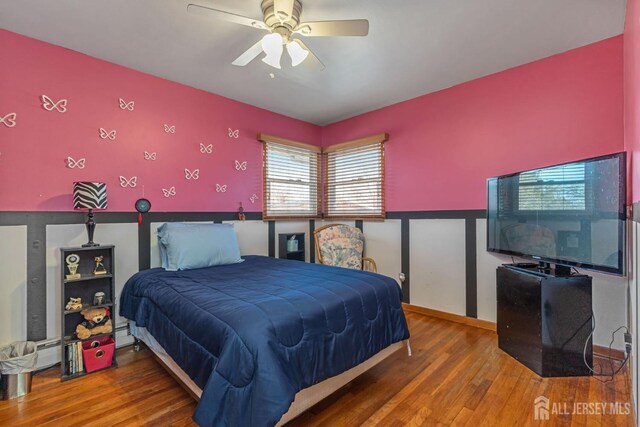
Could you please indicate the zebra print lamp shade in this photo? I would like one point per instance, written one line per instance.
(89, 195)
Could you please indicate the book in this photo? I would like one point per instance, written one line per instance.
(80, 361)
(73, 360)
(68, 359)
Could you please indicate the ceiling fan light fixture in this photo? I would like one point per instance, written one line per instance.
(272, 46)
(297, 53)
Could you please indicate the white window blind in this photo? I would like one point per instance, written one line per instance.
(561, 188)
(290, 181)
(354, 181)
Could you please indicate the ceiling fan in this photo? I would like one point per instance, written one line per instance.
(282, 21)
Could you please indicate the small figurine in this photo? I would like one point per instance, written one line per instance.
(73, 304)
(100, 268)
(99, 298)
(73, 260)
(241, 215)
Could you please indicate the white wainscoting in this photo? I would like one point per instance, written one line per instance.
(253, 237)
(487, 263)
(125, 239)
(634, 300)
(13, 283)
(438, 275)
(609, 304)
(383, 243)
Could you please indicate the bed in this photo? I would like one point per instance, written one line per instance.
(251, 338)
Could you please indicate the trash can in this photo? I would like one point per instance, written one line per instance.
(17, 362)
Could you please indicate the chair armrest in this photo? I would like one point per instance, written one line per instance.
(368, 264)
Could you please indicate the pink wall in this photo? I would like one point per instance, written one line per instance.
(34, 174)
(632, 93)
(444, 145)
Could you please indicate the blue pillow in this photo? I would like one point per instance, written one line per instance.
(188, 246)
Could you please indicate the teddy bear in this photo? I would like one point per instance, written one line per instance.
(96, 322)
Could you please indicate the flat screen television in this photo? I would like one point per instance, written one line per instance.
(572, 214)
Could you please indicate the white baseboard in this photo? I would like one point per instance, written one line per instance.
(50, 355)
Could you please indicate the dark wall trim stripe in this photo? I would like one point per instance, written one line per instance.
(272, 239)
(72, 217)
(312, 241)
(37, 280)
(462, 214)
(471, 268)
(405, 254)
(144, 244)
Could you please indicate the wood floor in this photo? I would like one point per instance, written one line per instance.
(456, 376)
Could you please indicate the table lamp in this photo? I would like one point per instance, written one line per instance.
(90, 195)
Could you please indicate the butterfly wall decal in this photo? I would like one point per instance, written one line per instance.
(206, 149)
(221, 188)
(124, 105)
(49, 105)
(108, 135)
(169, 192)
(195, 174)
(241, 166)
(234, 133)
(72, 164)
(169, 129)
(253, 198)
(132, 182)
(150, 156)
(9, 120)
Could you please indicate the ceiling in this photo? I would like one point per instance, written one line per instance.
(414, 46)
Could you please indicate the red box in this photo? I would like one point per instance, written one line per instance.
(98, 353)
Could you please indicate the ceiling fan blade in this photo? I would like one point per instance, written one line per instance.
(283, 9)
(226, 16)
(352, 27)
(312, 59)
(249, 55)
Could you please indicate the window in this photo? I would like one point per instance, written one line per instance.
(290, 178)
(354, 178)
(560, 188)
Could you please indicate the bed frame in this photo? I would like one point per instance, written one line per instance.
(304, 399)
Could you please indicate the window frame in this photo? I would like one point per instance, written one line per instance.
(270, 139)
(381, 139)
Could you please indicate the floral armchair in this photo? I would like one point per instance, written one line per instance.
(342, 245)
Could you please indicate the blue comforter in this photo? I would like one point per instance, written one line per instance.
(253, 334)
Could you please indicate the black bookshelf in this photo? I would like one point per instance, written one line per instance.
(85, 287)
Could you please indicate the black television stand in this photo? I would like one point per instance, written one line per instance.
(545, 319)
